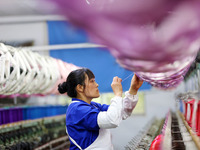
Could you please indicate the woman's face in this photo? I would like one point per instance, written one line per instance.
(91, 88)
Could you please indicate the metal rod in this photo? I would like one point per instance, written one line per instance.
(62, 46)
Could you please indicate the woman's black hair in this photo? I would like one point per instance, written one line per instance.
(74, 78)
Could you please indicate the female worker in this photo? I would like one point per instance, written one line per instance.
(87, 122)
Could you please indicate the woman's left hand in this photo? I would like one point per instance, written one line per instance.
(117, 86)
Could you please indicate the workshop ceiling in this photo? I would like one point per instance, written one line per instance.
(12, 8)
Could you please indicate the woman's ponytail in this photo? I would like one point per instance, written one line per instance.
(63, 87)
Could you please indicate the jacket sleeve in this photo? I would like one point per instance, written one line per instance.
(120, 108)
(129, 103)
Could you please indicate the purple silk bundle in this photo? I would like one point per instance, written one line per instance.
(157, 39)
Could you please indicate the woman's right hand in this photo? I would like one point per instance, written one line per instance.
(117, 86)
(136, 83)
